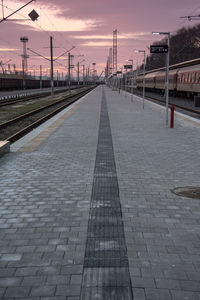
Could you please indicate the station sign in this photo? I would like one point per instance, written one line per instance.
(158, 49)
(126, 67)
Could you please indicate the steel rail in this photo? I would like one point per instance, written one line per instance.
(71, 99)
(14, 100)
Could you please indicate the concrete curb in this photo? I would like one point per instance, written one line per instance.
(4, 147)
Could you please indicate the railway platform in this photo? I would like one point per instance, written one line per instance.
(102, 202)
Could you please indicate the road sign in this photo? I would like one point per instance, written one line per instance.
(128, 67)
(158, 49)
(33, 15)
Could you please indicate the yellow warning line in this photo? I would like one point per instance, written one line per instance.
(37, 141)
(187, 119)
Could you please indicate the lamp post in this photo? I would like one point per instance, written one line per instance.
(167, 72)
(143, 51)
(131, 60)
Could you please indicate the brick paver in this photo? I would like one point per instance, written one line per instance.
(45, 200)
(44, 206)
(162, 230)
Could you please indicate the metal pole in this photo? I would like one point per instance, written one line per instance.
(24, 82)
(52, 83)
(83, 74)
(69, 67)
(144, 80)
(78, 74)
(167, 80)
(62, 79)
(40, 77)
(86, 76)
(57, 78)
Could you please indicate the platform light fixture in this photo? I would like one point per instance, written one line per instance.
(167, 71)
(131, 60)
(143, 51)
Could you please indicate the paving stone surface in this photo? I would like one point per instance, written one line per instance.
(44, 206)
(162, 230)
(45, 201)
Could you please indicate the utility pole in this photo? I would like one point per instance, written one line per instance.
(83, 74)
(57, 78)
(51, 51)
(23, 72)
(40, 77)
(62, 79)
(88, 75)
(51, 59)
(78, 72)
(69, 67)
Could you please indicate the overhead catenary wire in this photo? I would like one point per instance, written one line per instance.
(43, 30)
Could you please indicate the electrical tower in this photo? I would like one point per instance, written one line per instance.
(24, 56)
(114, 51)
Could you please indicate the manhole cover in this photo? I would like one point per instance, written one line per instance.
(187, 191)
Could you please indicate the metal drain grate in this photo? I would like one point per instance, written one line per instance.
(106, 274)
(187, 191)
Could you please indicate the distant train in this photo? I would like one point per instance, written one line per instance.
(15, 82)
(184, 78)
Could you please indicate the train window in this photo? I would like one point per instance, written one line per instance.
(198, 77)
(181, 78)
(193, 77)
(188, 78)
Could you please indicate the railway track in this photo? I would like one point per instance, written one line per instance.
(182, 107)
(14, 129)
(13, 100)
(176, 105)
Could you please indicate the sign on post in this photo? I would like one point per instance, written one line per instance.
(128, 67)
(158, 49)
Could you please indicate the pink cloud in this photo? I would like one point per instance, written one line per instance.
(131, 17)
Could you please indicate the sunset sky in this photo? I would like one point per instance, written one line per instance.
(88, 25)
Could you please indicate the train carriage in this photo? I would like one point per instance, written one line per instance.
(188, 79)
(184, 78)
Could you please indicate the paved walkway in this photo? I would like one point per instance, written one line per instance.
(59, 222)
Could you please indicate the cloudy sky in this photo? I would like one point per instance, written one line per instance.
(88, 25)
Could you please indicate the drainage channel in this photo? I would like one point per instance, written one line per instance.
(106, 272)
